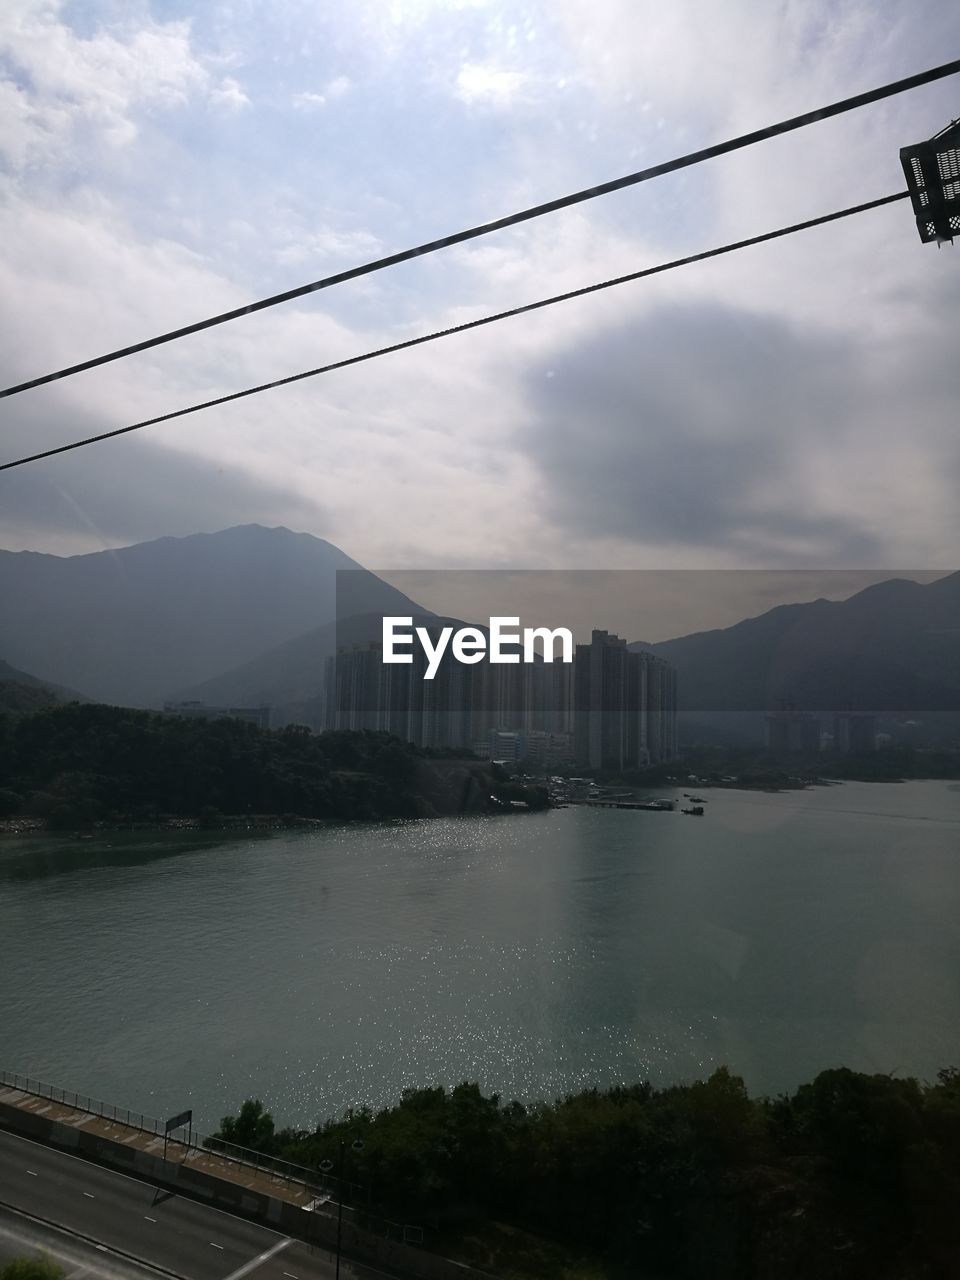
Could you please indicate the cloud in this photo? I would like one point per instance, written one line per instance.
(322, 455)
(308, 101)
(60, 84)
(61, 90)
(715, 427)
(229, 96)
(705, 61)
(818, 426)
(139, 486)
(132, 490)
(323, 243)
(337, 87)
(311, 101)
(490, 86)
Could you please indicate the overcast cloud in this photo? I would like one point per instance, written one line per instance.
(791, 405)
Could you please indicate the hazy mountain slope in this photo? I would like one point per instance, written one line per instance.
(893, 647)
(13, 675)
(20, 691)
(17, 697)
(131, 625)
(289, 678)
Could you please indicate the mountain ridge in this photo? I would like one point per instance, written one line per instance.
(22, 691)
(130, 624)
(248, 615)
(893, 646)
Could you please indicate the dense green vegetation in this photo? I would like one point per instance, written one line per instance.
(78, 764)
(31, 1269)
(852, 1176)
(18, 697)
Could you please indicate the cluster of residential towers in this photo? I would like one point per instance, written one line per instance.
(610, 708)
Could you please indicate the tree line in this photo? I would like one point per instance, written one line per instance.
(851, 1176)
(77, 764)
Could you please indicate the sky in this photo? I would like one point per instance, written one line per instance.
(791, 406)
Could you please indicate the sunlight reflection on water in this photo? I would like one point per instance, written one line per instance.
(538, 954)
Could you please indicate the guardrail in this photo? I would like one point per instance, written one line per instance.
(319, 1186)
(309, 1179)
(82, 1102)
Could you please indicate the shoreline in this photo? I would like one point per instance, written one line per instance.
(238, 824)
(24, 825)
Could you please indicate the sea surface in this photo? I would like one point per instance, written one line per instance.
(538, 954)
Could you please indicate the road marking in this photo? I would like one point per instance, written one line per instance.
(256, 1262)
(290, 1274)
(214, 1245)
(90, 1195)
(150, 1219)
(108, 1173)
(31, 1173)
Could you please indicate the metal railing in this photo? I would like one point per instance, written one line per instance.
(317, 1184)
(82, 1102)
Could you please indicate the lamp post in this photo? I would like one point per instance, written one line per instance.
(325, 1167)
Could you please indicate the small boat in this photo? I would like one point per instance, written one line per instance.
(696, 811)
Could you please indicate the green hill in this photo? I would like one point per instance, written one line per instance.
(75, 765)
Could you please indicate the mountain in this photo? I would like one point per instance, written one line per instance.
(20, 691)
(289, 679)
(131, 625)
(893, 647)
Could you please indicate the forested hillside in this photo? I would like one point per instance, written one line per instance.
(852, 1177)
(75, 765)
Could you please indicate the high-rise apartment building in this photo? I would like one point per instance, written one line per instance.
(790, 730)
(624, 706)
(854, 732)
(616, 708)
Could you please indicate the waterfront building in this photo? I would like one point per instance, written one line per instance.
(548, 748)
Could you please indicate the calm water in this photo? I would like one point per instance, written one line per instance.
(538, 954)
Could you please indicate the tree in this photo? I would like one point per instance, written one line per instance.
(11, 802)
(252, 1128)
(39, 1268)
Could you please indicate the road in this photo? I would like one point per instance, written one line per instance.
(22, 1237)
(137, 1222)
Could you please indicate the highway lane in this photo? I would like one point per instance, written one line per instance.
(22, 1237)
(180, 1236)
(124, 1213)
